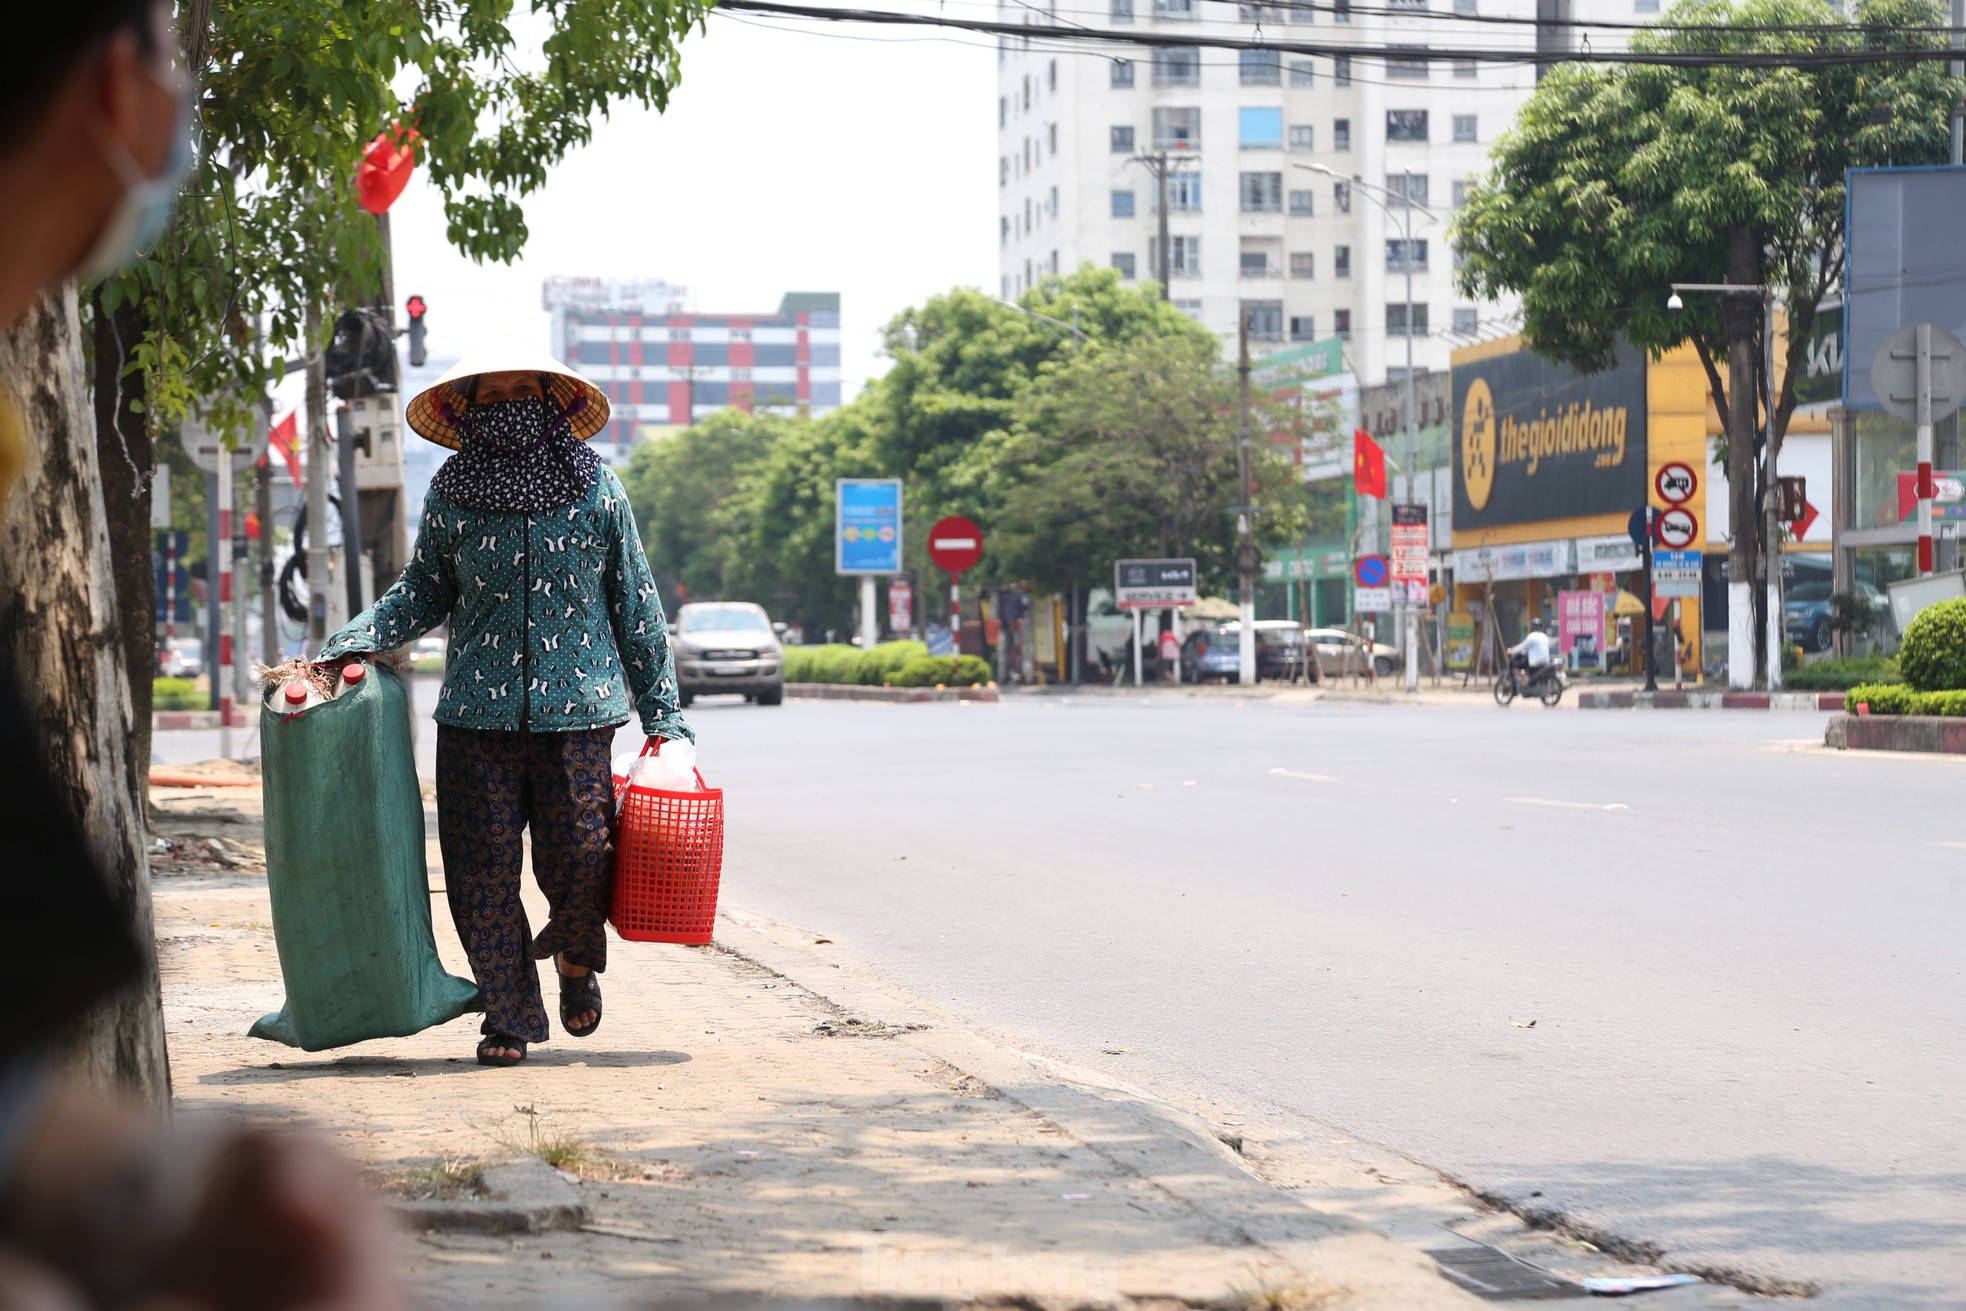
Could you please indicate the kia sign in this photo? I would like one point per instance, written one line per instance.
(868, 534)
(955, 544)
(1153, 584)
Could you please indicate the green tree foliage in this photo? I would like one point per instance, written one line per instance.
(688, 493)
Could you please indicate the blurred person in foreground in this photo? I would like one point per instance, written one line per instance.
(99, 1206)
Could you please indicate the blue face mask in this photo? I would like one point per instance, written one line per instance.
(140, 217)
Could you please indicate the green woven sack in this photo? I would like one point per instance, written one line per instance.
(346, 872)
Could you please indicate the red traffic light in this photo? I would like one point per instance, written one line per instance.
(415, 307)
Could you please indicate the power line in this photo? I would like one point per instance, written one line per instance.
(1665, 58)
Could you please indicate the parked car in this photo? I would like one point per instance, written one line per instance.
(1340, 653)
(727, 646)
(1211, 653)
(183, 658)
(1217, 652)
(1806, 616)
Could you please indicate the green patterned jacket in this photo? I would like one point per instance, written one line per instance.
(555, 624)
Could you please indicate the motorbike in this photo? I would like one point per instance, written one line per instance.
(1546, 683)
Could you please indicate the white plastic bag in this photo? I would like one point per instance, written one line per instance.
(671, 769)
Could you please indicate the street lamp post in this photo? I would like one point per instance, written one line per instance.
(1741, 674)
(1405, 219)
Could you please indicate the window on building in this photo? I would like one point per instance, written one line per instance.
(1051, 138)
(1412, 68)
(1027, 154)
(1259, 13)
(1003, 170)
(1464, 6)
(1467, 322)
(1183, 256)
(1259, 129)
(1302, 73)
(1174, 8)
(1341, 261)
(1027, 92)
(1123, 261)
(1004, 289)
(1122, 70)
(739, 373)
(1003, 236)
(1645, 6)
(1303, 203)
(1054, 202)
(1406, 256)
(1396, 325)
(1003, 111)
(1122, 139)
(1420, 5)
(1341, 134)
(1341, 70)
(1262, 193)
(1177, 66)
(1054, 263)
(1183, 193)
(1464, 127)
(1461, 187)
(1303, 327)
(1191, 308)
(1177, 129)
(1122, 204)
(1341, 324)
(1121, 11)
(1459, 260)
(1265, 319)
(1260, 67)
(1464, 68)
(1406, 125)
(1341, 197)
(1303, 264)
(1341, 11)
(1303, 138)
(1302, 14)
(1256, 263)
(1051, 76)
(1407, 186)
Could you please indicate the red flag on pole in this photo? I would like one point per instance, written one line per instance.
(282, 439)
(1368, 465)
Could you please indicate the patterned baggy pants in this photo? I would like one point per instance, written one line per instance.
(491, 786)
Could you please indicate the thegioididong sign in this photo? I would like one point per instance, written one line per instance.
(1536, 441)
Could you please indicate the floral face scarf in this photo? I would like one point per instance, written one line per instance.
(517, 455)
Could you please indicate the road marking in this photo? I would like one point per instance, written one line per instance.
(1308, 778)
(1565, 805)
(1959, 845)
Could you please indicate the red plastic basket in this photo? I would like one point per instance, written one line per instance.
(668, 861)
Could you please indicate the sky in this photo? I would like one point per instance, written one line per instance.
(793, 157)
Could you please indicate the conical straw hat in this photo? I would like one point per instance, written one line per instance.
(432, 412)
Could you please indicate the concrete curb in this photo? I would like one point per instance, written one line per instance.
(895, 695)
(1933, 733)
(1710, 700)
(1184, 1158)
(524, 1197)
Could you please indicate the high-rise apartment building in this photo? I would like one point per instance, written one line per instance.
(664, 365)
(1262, 147)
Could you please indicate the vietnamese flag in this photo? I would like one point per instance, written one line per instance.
(1368, 465)
(282, 439)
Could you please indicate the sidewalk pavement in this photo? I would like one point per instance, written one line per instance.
(729, 1130)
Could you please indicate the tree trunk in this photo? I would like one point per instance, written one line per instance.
(125, 456)
(1738, 315)
(58, 619)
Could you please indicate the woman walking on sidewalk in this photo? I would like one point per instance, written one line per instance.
(528, 548)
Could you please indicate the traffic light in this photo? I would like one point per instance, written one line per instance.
(416, 308)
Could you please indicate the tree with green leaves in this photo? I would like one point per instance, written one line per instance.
(688, 493)
(1618, 180)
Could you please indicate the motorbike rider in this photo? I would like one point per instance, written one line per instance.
(1532, 653)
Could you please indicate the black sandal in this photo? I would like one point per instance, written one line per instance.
(502, 1040)
(577, 995)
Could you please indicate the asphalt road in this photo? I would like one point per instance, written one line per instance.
(1741, 953)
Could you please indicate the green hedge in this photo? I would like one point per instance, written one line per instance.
(882, 662)
(1837, 675)
(177, 694)
(1933, 654)
(939, 671)
(1901, 699)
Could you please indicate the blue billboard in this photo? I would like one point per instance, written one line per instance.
(867, 535)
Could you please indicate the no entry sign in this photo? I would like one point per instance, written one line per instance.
(1676, 529)
(955, 544)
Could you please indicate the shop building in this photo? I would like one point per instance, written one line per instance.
(1548, 466)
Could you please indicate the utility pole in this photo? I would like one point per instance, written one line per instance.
(269, 635)
(1245, 515)
(1776, 638)
(1412, 461)
(1958, 67)
(318, 462)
